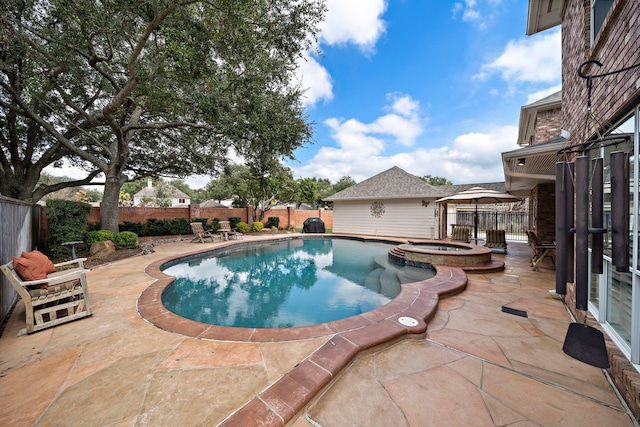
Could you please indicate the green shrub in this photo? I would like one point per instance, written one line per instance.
(66, 222)
(234, 221)
(163, 227)
(100, 236)
(215, 225)
(126, 240)
(179, 226)
(273, 221)
(157, 227)
(135, 227)
(256, 226)
(242, 227)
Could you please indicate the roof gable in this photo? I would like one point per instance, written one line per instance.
(450, 190)
(172, 191)
(393, 183)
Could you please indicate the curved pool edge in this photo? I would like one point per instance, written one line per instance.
(411, 301)
(282, 400)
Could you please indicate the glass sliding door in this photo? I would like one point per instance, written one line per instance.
(613, 293)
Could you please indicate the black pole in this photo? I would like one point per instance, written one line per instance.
(582, 232)
(597, 215)
(619, 211)
(569, 203)
(475, 231)
(561, 230)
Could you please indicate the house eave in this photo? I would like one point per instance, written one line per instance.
(528, 114)
(346, 199)
(543, 14)
(539, 166)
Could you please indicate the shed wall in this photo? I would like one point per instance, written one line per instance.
(401, 218)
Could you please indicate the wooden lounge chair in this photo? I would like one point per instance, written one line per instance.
(496, 240)
(200, 235)
(541, 250)
(65, 298)
(226, 232)
(461, 234)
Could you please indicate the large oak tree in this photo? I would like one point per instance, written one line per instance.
(128, 89)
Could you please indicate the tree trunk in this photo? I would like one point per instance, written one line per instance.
(109, 208)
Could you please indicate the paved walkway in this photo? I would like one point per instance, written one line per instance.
(477, 365)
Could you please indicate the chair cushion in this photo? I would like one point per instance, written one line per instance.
(30, 269)
(42, 258)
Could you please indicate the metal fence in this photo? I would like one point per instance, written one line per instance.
(515, 224)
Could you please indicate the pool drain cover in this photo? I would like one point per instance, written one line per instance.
(408, 321)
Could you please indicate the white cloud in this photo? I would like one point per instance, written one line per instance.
(402, 124)
(535, 59)
(467, 10)
(471, 11)
(198, 181)
(354, 21)
(364, 149)
(316, 81)
(404, 105)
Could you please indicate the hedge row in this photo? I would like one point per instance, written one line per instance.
(175, 226)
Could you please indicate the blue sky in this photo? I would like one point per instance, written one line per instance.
(434, 87)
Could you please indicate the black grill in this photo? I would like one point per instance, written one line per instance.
(313, 225)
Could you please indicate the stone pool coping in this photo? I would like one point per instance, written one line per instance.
(281, 401)
(410, 299)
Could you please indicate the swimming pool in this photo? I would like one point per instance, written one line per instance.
(288, 283)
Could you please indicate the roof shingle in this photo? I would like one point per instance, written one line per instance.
(393, 183)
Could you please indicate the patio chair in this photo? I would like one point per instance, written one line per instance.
(200, 235)
(496, 240)
(461, 234)
(58, 297)
(541, 250)
(226, 232)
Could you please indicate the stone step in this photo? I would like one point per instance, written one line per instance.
(372, 281)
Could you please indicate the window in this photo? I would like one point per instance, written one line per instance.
(599, 11)
(181, 201)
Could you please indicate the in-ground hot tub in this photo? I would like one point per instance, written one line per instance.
(436, 252)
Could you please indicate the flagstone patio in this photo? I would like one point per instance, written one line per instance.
(476, 365)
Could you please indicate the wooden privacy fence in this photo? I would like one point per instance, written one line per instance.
(515, 224)
(19, 229)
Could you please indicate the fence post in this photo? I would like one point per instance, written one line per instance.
(194, 212)
(290, 217)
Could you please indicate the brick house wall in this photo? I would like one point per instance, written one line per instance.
(547, 125)
(616, 47)
(542, 215)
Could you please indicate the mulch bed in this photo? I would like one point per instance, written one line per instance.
(145, 246)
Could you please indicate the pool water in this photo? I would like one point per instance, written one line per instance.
(295, 282)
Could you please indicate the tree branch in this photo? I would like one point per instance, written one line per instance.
(46, 189)
(28, 112)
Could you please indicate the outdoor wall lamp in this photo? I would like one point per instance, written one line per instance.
(521, 161)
